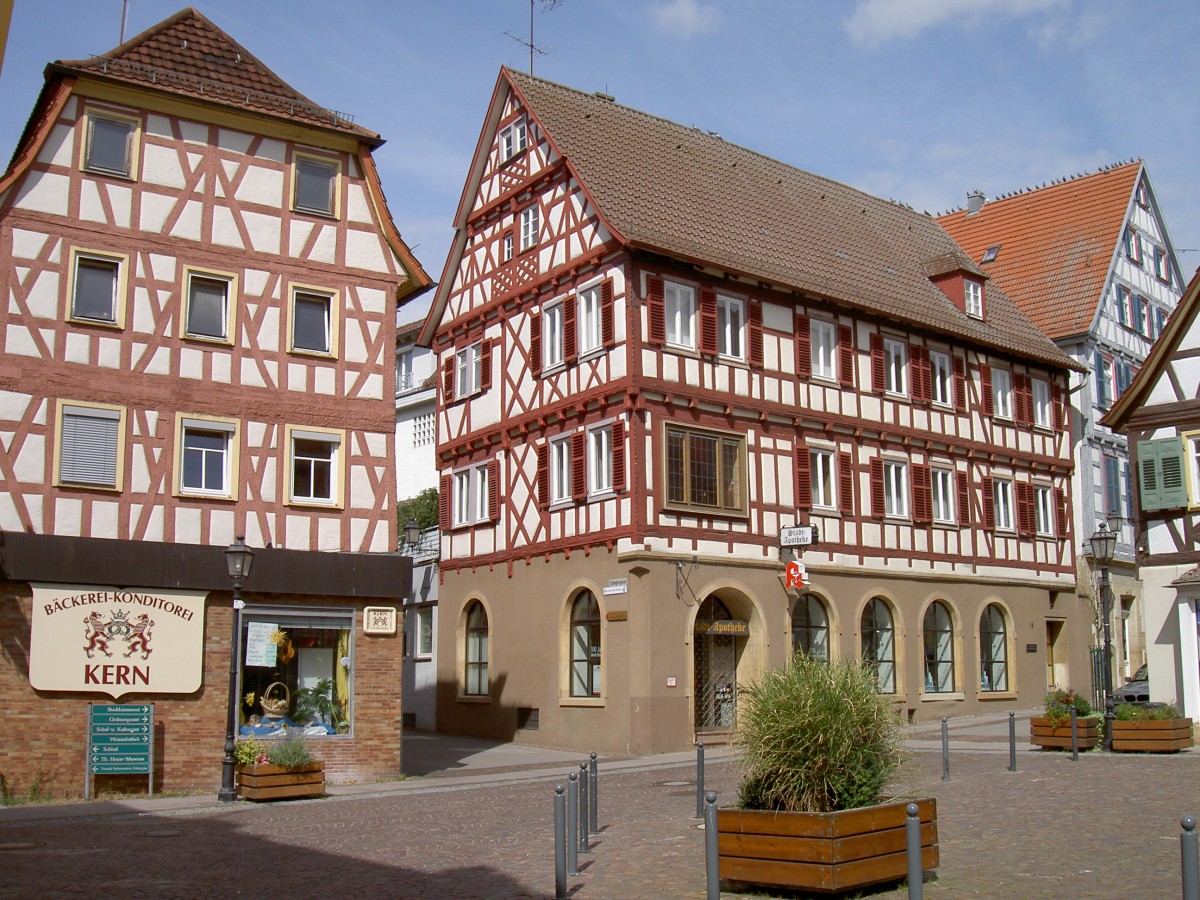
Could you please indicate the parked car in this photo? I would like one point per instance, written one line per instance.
(1136, 689)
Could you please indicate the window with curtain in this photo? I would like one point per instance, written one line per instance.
(879, 643)
(585, 646)
(476, 654)
(939, 649)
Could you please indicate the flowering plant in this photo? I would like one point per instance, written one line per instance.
(1060, 702)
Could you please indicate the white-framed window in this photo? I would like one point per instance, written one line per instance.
(1043, 499)
(423, 430)
(1161, 270)
(680, 309)
(1002, 401)
(91, 445)
(422, 630)
(821, 475)
(207, 457)
(471, 495)
(895, 356)
(315, 466)
(111, 146)
(210, 299)
(705, 469)
(404, 371)
(1121, 297)
(600, 460)
(508, 247)
(552, 335)
(585, 640)
(529, 227)
(1043, 412)
(823, 341)
(1132, 244)
(98, 287)
(314, 188)
(589, 314)
(973, 298)
(314, 321)
(941, 372)
(1002, 498)
(468, 368)
(560, 470)
(1106, 387)
(513, 140)
(731, 321)
(895, 488)
(941, 494)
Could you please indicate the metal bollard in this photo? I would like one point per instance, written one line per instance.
(560, 844)
(945, 750)
(912, 846)
(699, 779)
(593, 794)
(712, 868)
(1074, 735)
(583, 808)
(1012, 742)
(1188, 859)
(572, 824)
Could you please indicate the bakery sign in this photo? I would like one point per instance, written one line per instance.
(116, 641)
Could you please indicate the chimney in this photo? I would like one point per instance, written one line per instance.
(974, 202)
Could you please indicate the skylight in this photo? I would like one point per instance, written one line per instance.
(990, 254)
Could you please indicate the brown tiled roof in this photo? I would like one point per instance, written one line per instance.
(189, 55)
(680, 191)
(1056, 245)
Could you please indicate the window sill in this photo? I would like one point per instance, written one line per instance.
(107, 173)
(98, 323)
(585, 702)
(72, 486)
(320, 354)
(705, 511)
(200, 495)
(604, 494)
(929, 697)
(475, 699)
(314, 504)
(996, 695)
(320, 213)
(207, 339)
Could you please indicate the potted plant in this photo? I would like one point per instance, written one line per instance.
(318, 704)
(277, 769)
(818, 744)
(1052, 731)
(1150, 729)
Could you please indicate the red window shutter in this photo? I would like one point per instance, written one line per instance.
(448, 379)
(493, 476)
(607, 334)
(1026, 517)
(570, 332)
(1060, 408)
(846, 355)
(960, 384)
(535, 343)
(985, 389)
(543, 476)
(485, 365)
(922, 381)
(708, 321)
(618, 455)
(754, 311)
(922, 495)
(846, 483)
(655, 310)
(803, 347)
(1024, 400)
(579, 465)
(803, 477)
(878, 366)
(989, 503)
(444, 504)
(1062, 525)
(964, 499)
(877, 502)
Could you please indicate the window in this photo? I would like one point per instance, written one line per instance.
(680, 315)
(990, 254)
(1161, 270)
(879, 643)
(1143, 195)
(207, 459)
(1121, 297)
(973, 298)
(468, 365)
(209, 303)
(939, 649)
(311, 651)
(895, 355)
(471, 499)
(552, 336)
(704, 469)
(942, 377)
(97, 288)
(423, 630)
(810, 627)
(512, 140)
(1112, 486)
(90, 446)
(1102, 370)
(993, 649)
(941, 483)
(508, 247)
(591, 330)
(404, 371)
(1139, 307)
(560, 470)
(895, 488)
(423, 430)
(315, 185)
(731, 319)
(313, 322)
(1042, 410)
(1044, 510)
(821, 473)
(110, 145)
(1002, 393)
(823, 337)
(1160, 320)
(1002, 498)
(600, 460)
(1132, 244)
(529, 228)
(585, 646)
(476, 651)
(315, 466)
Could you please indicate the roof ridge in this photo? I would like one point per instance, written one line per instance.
(1106, 169)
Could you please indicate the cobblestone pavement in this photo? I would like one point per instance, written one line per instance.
(1105, 826)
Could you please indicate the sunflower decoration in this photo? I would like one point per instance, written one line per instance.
(285, 651)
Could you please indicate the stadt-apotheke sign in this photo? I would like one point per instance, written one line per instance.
(116, 641)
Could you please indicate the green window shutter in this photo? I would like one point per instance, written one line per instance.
(1161, 474)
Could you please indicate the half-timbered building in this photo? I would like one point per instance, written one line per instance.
(1160, 414)
(1090, 261)
(661, 353)
(200, 279)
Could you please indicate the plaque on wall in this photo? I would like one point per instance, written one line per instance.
(379, 620)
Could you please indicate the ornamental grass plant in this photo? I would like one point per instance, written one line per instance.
(817, 737)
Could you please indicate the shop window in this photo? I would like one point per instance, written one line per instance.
(315, 185)
(296, 667)
(810, 627)
(111, 144)
(476, 651)
(90, 445)
(993, 649)
(705, 470)
(939, 649)
(585, 646)
(314, 322)
(879, 643)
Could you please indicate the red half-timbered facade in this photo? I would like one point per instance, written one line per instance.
(659, 351)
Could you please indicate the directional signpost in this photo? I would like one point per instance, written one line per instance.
(120, 741)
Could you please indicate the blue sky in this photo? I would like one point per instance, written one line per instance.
(914, 100)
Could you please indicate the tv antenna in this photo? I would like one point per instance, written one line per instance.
(541, 51)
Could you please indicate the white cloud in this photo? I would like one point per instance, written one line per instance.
(876, 22)
(686, 17)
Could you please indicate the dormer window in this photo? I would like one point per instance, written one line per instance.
(512, 140)
(973, 298)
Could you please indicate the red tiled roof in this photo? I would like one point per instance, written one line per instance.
(1056, 245)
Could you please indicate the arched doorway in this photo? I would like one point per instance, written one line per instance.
(718, 642)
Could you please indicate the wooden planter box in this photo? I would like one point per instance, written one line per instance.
(822, 852)
(1042, 733)
(277, 783)
(1161, 736)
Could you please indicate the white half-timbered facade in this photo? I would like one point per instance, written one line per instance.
(658, 351)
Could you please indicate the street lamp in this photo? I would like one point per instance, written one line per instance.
(238, 558)
(412, 533)
(1104, 545)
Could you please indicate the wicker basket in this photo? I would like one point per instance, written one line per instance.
(275, 707)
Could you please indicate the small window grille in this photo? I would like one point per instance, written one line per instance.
(527, 718)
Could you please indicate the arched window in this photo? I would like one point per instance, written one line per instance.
(939, 649)
(879, 643)
(477, 650)
(585, 646)
(993, 649)
(810, 627)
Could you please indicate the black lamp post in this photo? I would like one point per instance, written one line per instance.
(1104, 545)
(238, 558)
